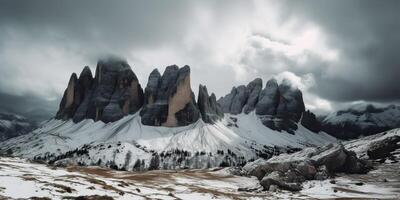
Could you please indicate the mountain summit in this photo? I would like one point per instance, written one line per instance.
(115, 92)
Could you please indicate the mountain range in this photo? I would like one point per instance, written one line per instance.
(109, 120)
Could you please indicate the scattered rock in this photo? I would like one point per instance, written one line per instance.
(382, 149)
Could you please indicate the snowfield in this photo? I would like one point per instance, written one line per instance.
(21, 179)
(234, 140)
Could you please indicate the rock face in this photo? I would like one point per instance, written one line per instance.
(169, 99)
(279, 106)
(209, 109)
(113, 93)
(288, 171)
(383, 148)
(309, 120)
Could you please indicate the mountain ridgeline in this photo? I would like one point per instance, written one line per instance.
(279, 106)
(115, 92)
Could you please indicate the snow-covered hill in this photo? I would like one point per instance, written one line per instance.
(128, 144)
(361, 119)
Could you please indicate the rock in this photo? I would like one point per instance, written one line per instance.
(306, 169)
(239, 100)
(254, 88)
(68, 103)
(333, 157)
(174, 104)
(153, 84)
(383, 148)
(273, 178)
(268, 99)
(309, 120)
(291, 103)
(322, 173)
(113, 93)
(226, 101)
(208, 107)
(273, 188)
(255, 168)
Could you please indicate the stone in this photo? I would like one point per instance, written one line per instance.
(254, 88)
(383, 148)
(273, 178)
(208, 107)
(309, 120)
(153, 84)
(273, 188)
(307, 169)
(322, 173)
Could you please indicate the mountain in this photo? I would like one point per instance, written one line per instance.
(109, 120)
(12, 125)
(279, 106)
(361, 120)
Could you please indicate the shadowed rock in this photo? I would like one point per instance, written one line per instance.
(113, 93)
(254, 88)
(69, 102)
(209, 109)
(174, 104)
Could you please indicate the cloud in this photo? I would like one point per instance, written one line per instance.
(336, 51)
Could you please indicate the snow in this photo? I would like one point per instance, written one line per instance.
(57, 137)
(387, 117)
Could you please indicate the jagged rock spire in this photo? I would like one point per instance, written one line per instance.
(113, 93)
(174, 104)
(209, 109)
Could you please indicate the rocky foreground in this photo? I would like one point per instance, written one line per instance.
(349, 170)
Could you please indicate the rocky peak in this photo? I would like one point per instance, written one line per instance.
(279, 106)
(209, 109)
(254, 88)
(113, 93)
(68, 105)
(174, 104)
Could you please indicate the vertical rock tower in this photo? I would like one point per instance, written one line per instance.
(115, 92)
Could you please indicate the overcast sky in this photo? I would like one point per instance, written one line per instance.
(335, 51)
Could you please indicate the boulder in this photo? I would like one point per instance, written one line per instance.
(275, 178)
(383, 148)
(322, 173)
(306, 169)
(254, 88)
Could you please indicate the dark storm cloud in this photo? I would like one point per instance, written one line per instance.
(43, 41)
(367, 34)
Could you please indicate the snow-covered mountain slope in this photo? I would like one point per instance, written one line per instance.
(12, 125)
(129, 144)
(361, 119)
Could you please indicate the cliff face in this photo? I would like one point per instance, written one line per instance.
(279, 106)
(169, 99)
(115, 92)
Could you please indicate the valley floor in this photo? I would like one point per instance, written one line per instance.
(22, 179)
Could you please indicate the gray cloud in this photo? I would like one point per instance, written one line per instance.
(225, 42)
